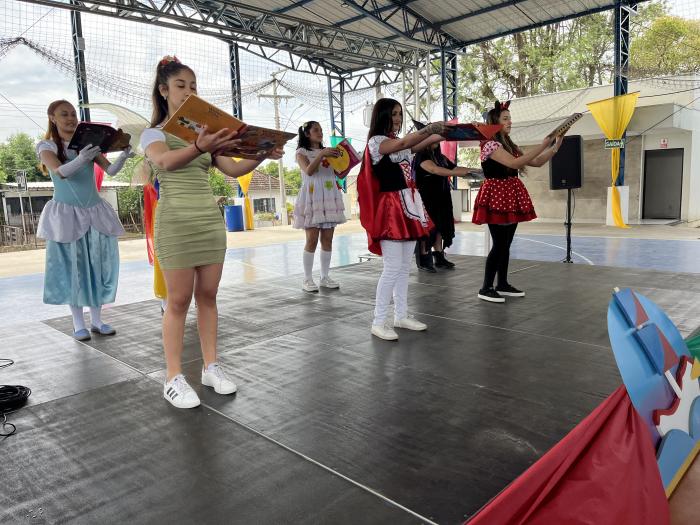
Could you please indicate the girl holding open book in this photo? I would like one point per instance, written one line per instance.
(391, 210)
(503, 200)
(189, 236)
(80, 228)
(319, 207)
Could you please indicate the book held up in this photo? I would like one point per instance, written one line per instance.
(467, 131)
(195, 113)
(102, 135)
(347, 160)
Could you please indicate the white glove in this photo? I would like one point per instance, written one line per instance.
(116, 166)
(86, 155)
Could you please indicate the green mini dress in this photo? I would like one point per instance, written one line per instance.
(189, 230)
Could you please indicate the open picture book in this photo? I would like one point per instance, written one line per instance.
(195, 113)
(467, 131)
(348, 159)
(565, 126)
(102, 135)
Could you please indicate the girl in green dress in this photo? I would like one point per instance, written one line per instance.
(190, 237)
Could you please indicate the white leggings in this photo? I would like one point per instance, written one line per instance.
(397, 257)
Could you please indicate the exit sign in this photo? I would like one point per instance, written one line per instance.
(614, 143)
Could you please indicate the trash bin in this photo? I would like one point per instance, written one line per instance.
(234, 218)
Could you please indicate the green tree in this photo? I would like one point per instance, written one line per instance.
(566, 55)
(18, 153)
(129, 204)
(669, 46)
(292, 177)
(218, 184)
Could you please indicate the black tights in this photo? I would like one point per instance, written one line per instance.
(497, 260)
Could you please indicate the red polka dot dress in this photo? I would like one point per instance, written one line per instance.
(503, 198)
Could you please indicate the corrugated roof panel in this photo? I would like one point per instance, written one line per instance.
(464, 20)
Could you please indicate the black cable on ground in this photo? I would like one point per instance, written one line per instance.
(12, 397)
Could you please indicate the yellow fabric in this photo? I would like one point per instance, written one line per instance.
(695, 371)
(245, 180)
(248, 212)
(613, 115)
(159, 289)
(244, 183)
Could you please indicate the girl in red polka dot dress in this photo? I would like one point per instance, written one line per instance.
(503, 200)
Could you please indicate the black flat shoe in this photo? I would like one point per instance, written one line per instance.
(490, 295)
(441, 261)
(509, 291)
(425, 263)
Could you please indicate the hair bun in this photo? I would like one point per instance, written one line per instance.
(167, 59)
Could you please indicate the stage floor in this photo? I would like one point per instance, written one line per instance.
(329, 425)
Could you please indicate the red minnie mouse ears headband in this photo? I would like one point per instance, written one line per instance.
(497, 107)
(502, 106)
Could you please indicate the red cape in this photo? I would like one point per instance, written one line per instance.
(368, 199)
(150, 201)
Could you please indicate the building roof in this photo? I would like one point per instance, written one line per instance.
(261, 182)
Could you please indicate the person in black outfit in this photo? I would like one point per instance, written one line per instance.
(503, 200)
(433, 171)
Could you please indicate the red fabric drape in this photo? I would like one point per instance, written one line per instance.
(449, 147)
(603, 472)
(150, 201)
(99, 176)
(368, 199)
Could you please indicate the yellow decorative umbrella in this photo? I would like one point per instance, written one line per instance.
(613, 115)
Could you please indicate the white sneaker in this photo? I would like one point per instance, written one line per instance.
(215, 376)
(309, 286)
(410, 323)
(180, 393)
(327, 282)
(385, 332)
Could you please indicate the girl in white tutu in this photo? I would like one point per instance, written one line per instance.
(319, 207)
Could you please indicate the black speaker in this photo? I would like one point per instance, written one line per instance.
(566, 167)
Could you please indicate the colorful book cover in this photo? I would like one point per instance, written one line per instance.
(348, 159)
(195, 113)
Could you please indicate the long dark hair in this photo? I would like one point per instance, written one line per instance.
(381, 123)
(303, 140)
(167, 67)
(52, 133)
(492, 118)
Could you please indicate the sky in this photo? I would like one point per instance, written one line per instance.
(29, 82)
(124, 54)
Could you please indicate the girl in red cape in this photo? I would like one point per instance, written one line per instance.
(391, 209)
(503, 200)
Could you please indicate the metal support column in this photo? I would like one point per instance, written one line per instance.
(235, 80)
(623, 10)
(336, 103)
(79, 57)
(448, 68)
(448, 73)
(416, 93)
